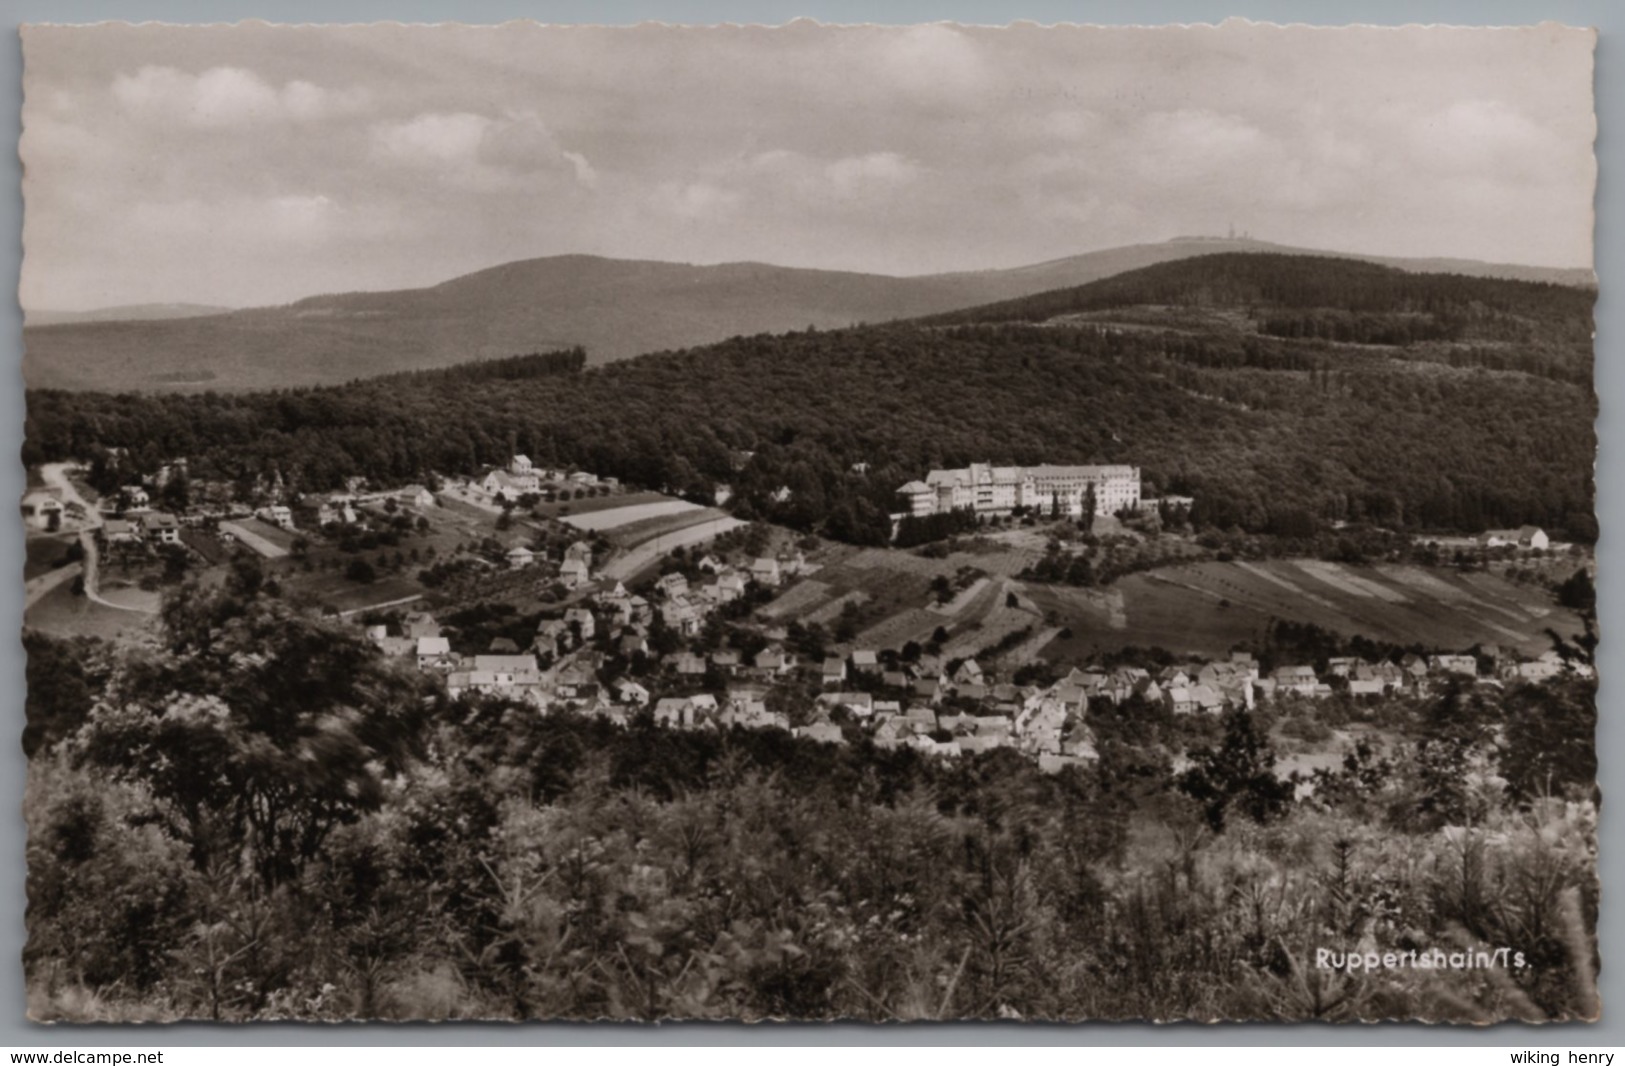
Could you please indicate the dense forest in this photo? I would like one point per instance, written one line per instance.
(1344, 299)
(1266, 432)
(257, 815)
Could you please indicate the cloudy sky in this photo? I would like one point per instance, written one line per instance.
(254, 165)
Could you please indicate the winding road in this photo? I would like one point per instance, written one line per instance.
(55, 475)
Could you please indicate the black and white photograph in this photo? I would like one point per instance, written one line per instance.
(809, 522)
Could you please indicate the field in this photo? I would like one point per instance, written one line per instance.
(1201, 608)
(706, 526)
(1205, 608)
(621, 513)
(42, 555)
(62, 614)
(260, 537)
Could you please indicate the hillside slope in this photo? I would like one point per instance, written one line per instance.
(613, 308)
(1271, 434)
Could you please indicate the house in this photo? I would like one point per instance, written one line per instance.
(1549, 665)
(520, 466)
(1464, 665)
(160, 528)
(277, 514)
(1365, 689)
(975, 743)
(834, 671)
(765, 571)
(420, 624)
(860, 704)
(432, 651)
(727, 660)
(1300, 680)
(581, 619)
(1387, 674)
(503, 646)
(682, 616)
(1343, 666)
(1528, 538)
(1415, 670)
(520, 557)
(672, 585)
(751, 714)
(823, 732)
(632, 645)
(669, 710)
(415, 496)
(685, 664)
(42, 510)
(134, 496)
(969, 673)
(552, 636)
(891, 733)
(629, 691)
(729, 587)
(928, 689)
(773, 661)
(120, 531)
(579, 550)
(894, 679)
(572, 572)
(1079, 742)
(865, 661)
(1180, 699)
(509, 670)
(508, 486)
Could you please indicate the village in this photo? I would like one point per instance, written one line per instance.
(726, 625)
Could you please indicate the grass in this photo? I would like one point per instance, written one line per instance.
(62, 614)
(598, 504)
(42, 555)
(1205, 608)
(646, 529)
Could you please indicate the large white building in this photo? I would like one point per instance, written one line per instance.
(988, 489)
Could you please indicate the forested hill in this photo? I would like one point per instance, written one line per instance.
(1269, 434)
(1324, 297)
(612, 308)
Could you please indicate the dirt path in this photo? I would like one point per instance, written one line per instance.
(381, 606)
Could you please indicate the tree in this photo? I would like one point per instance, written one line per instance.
(361, 572)
(1550, 744)
(1086, 521)
(1238, 776)
(1578, 593)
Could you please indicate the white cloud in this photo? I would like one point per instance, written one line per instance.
(480, 151)
(433, 140)
(877, 171)
(228, 96)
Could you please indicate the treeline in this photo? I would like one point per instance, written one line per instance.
(817, 430)
(510, 368)
(1336, 290)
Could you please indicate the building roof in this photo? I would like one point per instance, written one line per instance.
(506, 664)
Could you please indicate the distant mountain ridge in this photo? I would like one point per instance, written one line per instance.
(613, 308)
(123, 313)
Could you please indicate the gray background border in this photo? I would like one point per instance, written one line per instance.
(1607, 17)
